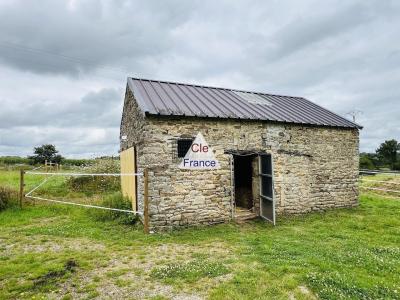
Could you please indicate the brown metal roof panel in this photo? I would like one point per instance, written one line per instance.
(208, 101)
(332, 115)
(190, 93)
(307, 110)
(282, 111)
(291, 105)
(185, 94)
(249, 111)
(222, 109)
(194, 106)
(225, 104)
(159, 102)
(294, 104)
(143, 98)
(170, 98)
(185, 106)
(320, 114)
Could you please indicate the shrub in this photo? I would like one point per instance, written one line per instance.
(115, 200)
(78, 162)
(8, 197)
(366, 163)
(12, 160)
(97, 184)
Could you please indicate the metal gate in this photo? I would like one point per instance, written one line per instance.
(128, 183)
(267, 201)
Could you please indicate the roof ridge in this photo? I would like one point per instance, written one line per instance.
(214, 87)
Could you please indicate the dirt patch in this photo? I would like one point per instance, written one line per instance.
(127, 273)
(41, 244)
(52, 276)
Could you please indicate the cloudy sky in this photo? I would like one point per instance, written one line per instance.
(63, 64)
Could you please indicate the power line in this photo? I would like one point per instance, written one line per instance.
(95, 64)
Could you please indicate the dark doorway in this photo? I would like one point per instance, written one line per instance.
(243, 173)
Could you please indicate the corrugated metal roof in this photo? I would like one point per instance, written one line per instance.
(179, 99)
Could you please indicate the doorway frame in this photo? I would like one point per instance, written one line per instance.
(236, 157)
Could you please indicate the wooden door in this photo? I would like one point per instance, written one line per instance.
(128, 183)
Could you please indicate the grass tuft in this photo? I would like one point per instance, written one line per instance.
(189, 271)
(333, 285)
(115, 200)
(8, 197)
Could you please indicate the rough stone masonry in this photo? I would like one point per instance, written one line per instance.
(315, 167)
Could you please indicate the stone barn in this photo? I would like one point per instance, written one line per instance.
(216, 154)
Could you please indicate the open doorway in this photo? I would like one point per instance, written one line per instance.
(243, 173)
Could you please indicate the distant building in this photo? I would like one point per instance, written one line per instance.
(272, 154)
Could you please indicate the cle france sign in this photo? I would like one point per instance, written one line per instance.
(200, 156)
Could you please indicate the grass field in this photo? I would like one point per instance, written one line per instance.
(57, 252)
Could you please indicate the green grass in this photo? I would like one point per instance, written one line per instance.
(389, 182)
(339, 254)
(189, 271)
(58, 187)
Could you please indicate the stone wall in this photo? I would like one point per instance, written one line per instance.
(315, 168)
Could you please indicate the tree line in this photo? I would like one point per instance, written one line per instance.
(49, 153)
(387, 156)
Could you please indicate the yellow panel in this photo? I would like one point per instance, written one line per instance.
(128, 183)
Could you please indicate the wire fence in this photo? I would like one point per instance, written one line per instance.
(29, 194)
(50, 175)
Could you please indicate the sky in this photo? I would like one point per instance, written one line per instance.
(64, 64)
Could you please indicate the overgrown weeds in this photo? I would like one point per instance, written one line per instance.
(118, 201)
(97, 184)
(8, 197)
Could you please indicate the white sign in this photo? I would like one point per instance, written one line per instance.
(200, 156)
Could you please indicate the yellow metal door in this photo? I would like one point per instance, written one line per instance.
(128, 166)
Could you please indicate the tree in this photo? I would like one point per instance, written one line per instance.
(45, 152)
(387, 152)
(366, 162)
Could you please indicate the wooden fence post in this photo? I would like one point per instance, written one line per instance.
(146, 202)
(21, 187)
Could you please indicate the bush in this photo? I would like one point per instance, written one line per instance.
(8, 197)
(397, 166)
(78, 162)
(13, 160)
(97, 184)
(115, 200)
(366, 163)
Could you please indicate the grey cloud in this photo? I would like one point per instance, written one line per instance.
(101, 108)
(306, 31)
(75, 142)
(52, 38)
